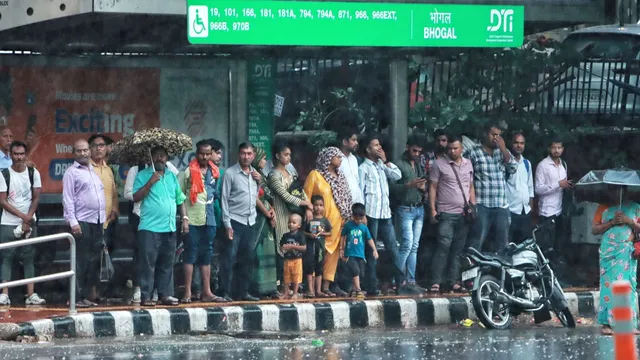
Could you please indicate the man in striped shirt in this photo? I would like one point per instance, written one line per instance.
(491, 162)
(374, 172)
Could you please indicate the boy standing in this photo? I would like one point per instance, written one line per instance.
(317, 230)
(354, 234)
(293, 245)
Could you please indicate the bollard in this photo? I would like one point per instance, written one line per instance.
(623, 331)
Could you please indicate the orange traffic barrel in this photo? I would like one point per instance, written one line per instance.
(624, 332)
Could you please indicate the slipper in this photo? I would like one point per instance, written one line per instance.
(435, 289)
(213, 299)
(186, 300)
(458, 289)
(322, 295)
(310, 295)
(329, 293)
(607, 331)
(196, 297)
(170, 301)
(148, 303)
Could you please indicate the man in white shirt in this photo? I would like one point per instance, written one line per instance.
(134, 220)
(551, 181)
(520, 193)
(19, 194)
(348, 144)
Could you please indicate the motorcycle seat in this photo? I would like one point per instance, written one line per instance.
(503, 260)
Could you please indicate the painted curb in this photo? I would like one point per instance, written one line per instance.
(339, 315)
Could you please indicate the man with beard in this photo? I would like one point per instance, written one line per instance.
(551, 182)
(408, 193)
(520, 193)
(161, 193)
(348, 144)
(491, 162)
(85, 211)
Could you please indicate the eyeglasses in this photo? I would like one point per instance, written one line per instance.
(100, 146)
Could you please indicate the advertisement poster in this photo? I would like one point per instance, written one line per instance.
(260, 103)
(51, 107)
(195, 102)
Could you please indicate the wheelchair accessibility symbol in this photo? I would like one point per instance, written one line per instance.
(198, 20)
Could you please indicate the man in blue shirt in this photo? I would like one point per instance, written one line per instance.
(161, 193)
(6, 138)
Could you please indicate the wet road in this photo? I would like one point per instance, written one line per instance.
(431, 343)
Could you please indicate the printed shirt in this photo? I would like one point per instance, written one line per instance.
(83, 195)
(548, 176)
(374, 185)
(356, 235)
(158, 208)
(349, 168)
(296, 238)
(520, 188)
(105, 173)
(318, 225)
(203, 211)
(489, 176)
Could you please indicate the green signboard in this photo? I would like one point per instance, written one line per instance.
(260, 102)
(306, 23)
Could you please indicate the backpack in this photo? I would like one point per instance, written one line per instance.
(7, 178)
(527, 166)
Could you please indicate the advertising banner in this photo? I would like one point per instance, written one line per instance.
(195, 102)
(261, 87)
(51, 107)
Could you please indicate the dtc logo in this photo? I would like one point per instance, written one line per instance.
(198, 21)
(504, 19)
(262, 71)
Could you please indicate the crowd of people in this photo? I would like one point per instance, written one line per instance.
(354, 227)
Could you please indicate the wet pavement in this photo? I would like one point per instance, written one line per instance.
(21, 313)
(444, 343)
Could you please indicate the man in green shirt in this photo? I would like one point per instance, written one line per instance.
(161, 193)
(408, 193)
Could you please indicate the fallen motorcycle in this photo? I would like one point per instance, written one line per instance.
(515, 281)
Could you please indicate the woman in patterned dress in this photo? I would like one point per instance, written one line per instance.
(325, 180)
(617, 224)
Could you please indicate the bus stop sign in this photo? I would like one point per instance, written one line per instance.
(306, 23)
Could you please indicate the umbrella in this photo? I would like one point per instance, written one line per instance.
(597, 181)
(134, 149)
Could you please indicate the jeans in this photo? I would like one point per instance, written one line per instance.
(410, 220)
(452, 234)
(486, 217)
(520, 228)
(156, 255)
(236, 261)
(382, 230)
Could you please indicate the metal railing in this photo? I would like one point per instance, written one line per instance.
(61, 275)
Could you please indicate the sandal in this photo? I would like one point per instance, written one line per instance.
(170, 301)
(213, 299)
(196, 297)
(322, 295)
(148, 303)
(606, 331)
(329, 293)
(435, 289)
(309, 295)
(458, 289)
(186, 300)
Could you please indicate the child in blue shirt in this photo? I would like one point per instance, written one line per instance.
(354, 235)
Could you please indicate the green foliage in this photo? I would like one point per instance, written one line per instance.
(319, 117)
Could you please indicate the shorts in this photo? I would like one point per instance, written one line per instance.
(313, 260)
(292, 271)
(355, 267)
(198, 246)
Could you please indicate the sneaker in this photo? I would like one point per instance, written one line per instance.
(154, 295)
(34, 299)
(4, 299)
(137, 297)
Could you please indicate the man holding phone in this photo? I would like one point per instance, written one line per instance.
(408, 193)
(551, 182)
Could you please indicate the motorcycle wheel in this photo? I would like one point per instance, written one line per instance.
(485, 308)
(566, 318)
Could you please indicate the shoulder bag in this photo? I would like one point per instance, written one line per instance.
(469, 210)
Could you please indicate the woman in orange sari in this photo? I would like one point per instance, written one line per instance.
(327, 181)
